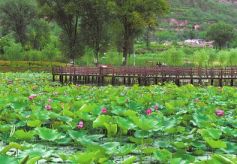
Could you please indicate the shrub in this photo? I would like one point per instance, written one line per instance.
(51, 52)
(34, 55)
(201, 58)
(13, 51)
(221, 33)
(87, 59)
(223, 57)
(174, 57)
(113, 58)
(232, 61)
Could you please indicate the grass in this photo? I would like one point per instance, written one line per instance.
(21, 66)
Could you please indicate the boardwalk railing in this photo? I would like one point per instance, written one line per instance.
(145, 75)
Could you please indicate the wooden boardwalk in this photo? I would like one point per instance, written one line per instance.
(105, 75)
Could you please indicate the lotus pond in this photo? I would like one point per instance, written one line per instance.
(44, 122)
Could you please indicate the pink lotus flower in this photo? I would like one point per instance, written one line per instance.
(156, 107)
(48, 107)
(80, 125)
(148, 112)
(33, 96)
(104, 110)
(220, 113)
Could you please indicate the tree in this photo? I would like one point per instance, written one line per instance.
(95, 17)
(38, 34)
(221, 33)
(66, 14)
(16, 16)
(133, 16)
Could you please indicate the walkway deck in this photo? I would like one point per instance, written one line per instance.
(105, 75)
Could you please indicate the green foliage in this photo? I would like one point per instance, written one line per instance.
(203, 11)
(183, 129)
(202, 58)
(135, 16)
(51, 51)
(232, 61)
(48, 134)
(6, 41)
(221, 33)
(66, 15)
(94, 27)
(38, 34)
(34, 55)
(167, 36)
(13, 51)
(88, 58)
(113, 58)
(16, 16)
(174, 57)
(100, 31)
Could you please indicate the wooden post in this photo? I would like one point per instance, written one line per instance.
(113, 80)
(177, 81)
(220, 79)
(156, 80)
(124, 80)
(232, 82)
(70, 78)
(139, 80)
(200, 76)
(232, 77)
(74, 79)
(129, 80)
(212, 81)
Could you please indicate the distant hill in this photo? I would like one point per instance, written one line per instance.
(186, 15)
(199, 11)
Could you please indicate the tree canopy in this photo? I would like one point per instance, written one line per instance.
(221, 33)
(135, 16)
(80, 24)
(16, 16)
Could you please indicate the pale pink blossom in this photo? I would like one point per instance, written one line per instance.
(33, 96)
(48, 107)
(156, 107)
(80, 125)
(220, 113)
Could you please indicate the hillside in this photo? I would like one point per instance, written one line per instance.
(200, 11)
(191, 18)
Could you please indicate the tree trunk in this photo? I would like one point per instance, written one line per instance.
(97, 55)
(131, 45)
(125, 49)
(147, 38)
(127, 41)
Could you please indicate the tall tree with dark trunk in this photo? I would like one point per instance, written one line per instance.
(95, 17)
(16, 15)
(134, 15)
(221, 33)
(66, 14)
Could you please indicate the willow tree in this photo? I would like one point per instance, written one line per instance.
(135, 16)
